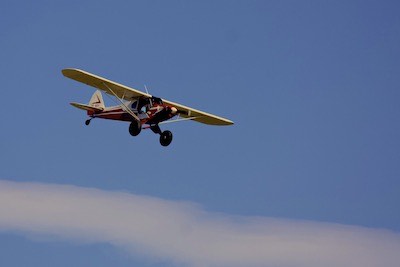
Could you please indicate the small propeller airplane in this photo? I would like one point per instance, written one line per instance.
(142, 110)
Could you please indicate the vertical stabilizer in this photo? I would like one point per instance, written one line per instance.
(97, 100)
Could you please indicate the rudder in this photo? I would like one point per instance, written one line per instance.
(97, 100)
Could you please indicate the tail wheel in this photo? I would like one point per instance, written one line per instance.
(134, 128)
(165, 138)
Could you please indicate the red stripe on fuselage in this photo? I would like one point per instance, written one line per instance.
(119, 114)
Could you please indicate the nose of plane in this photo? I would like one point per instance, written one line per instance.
(174, 110)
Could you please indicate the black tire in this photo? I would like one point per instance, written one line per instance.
(165, 138)
(134, 128)
(87, 122)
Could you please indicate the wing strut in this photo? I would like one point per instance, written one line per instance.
(181, 119)
(122, 103)
(170, 121)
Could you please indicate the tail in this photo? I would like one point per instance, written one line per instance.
(97, 100)
(96, 103)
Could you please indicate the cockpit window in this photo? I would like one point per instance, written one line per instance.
(145, 103)
(143, 109)
(142, 105)
(156, 100)
(134, 105)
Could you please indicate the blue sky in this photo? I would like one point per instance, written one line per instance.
(312, 86)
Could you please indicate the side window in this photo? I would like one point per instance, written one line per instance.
(134, 105)
(143, 105)
(143, 109)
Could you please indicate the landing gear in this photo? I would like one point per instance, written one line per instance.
(87, 122)
(134, 128)
(165, 138)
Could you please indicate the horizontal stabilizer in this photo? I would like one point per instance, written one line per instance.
(85, 107)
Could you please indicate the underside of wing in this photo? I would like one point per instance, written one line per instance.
(198, 115)
(119, 90)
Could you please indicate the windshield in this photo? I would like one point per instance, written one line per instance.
(156, 100)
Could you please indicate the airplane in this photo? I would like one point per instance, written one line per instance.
(142, 110)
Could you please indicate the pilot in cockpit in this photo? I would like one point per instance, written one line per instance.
(143, 105)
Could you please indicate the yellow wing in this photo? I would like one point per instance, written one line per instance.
(127, 93)
(122, 91)
(198, 115)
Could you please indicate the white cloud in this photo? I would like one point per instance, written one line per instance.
(185, 234)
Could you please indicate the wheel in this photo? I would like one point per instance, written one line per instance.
(165, 138)
(87, 122)
(134, 128)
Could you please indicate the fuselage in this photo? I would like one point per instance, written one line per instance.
(151, 114)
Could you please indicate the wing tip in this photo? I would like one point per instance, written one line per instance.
(227, 123)
(68, 72)
(214, 121)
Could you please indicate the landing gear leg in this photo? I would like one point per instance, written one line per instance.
(156, 129)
